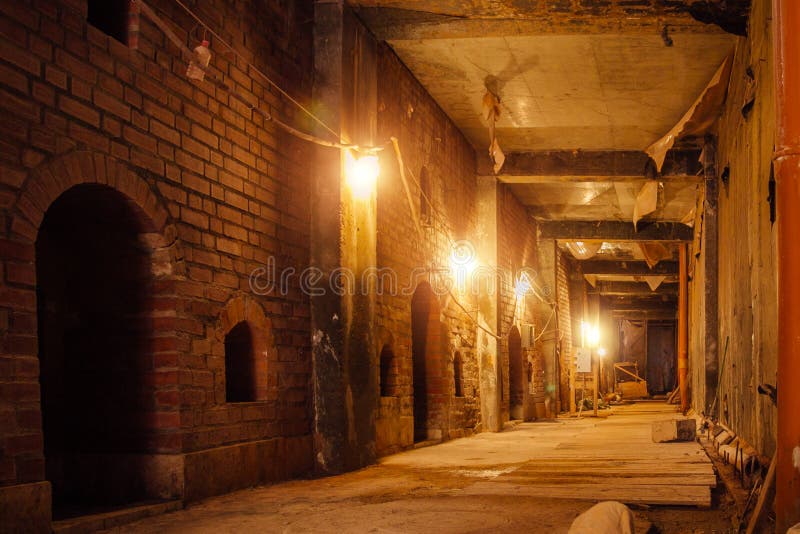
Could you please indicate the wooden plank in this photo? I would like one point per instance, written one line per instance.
(645, 494)
(635, 479)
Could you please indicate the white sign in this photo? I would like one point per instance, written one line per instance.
(583, 359)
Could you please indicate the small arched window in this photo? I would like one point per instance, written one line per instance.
(425, 197)
(458, 380)
(388, 378)
(240, 365)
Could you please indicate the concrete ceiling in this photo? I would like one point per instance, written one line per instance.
(584, 87)
(589, 92)
(592, 201)
(615, 251)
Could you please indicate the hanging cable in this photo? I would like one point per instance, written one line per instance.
(255, 69)
(188, 56)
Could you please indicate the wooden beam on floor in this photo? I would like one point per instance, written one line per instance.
(628, 268)
(614, 231)
(568, 166)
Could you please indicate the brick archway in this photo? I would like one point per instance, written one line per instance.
(51, 179)
(244, 310)
(76, 183)
(146, 263)
(428, 368)
(516, 375)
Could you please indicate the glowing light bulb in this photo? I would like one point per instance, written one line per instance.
(362, 174)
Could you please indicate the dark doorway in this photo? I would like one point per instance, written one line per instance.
(426, 355)
(458, 371)
(660, 357)
(388, 372)
(240, 362)
(93, 274)
(516, 375)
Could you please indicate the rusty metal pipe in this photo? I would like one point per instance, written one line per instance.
(683, 328)
(786, 14)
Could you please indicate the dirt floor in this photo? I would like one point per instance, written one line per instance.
(433, 490)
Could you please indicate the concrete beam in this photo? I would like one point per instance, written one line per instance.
(567, 166)
(614, 231)
(652, 315)
(452, 19)
(627, 289)
(628, 268)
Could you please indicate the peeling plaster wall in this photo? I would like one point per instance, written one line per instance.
(747, 252)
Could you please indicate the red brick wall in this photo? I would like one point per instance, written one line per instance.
(427, 139)
(566, 321)
(222, 189)
(516, 252)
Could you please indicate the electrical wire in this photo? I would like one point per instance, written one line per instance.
(255, 69)
(253, 108)
(544, 328)
(302, 135)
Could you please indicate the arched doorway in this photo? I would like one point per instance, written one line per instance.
(516, 375)
(93, 268)
(427, 356)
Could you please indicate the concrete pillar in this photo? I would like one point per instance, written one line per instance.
(710, 258)
(488, 346)
(343, 247)
(683, 328)
(547, 279)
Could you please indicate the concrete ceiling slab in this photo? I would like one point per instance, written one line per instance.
(620, 251)
(607, 76)
(589, 201)
(591, 92)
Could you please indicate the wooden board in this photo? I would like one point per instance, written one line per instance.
(655, 494)
(611, 459)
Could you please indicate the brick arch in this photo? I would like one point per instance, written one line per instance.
(517, 374)
(132, 390)
(52, 178)
(240, 309)
(390, 380)
(428, 356)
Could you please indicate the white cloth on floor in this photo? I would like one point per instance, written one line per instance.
(609, 517)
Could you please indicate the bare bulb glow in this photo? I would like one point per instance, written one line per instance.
(591, 334)
(601, 352)
(362, 174)
(463, 262)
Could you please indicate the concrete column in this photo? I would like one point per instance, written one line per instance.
(710, 258)
(547, 279)
(683, 328)
(488, 346)
(343, 247)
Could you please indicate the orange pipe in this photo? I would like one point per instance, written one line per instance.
(683, 328)
(786, 14)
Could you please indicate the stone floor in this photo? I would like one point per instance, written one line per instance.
(449, 488)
